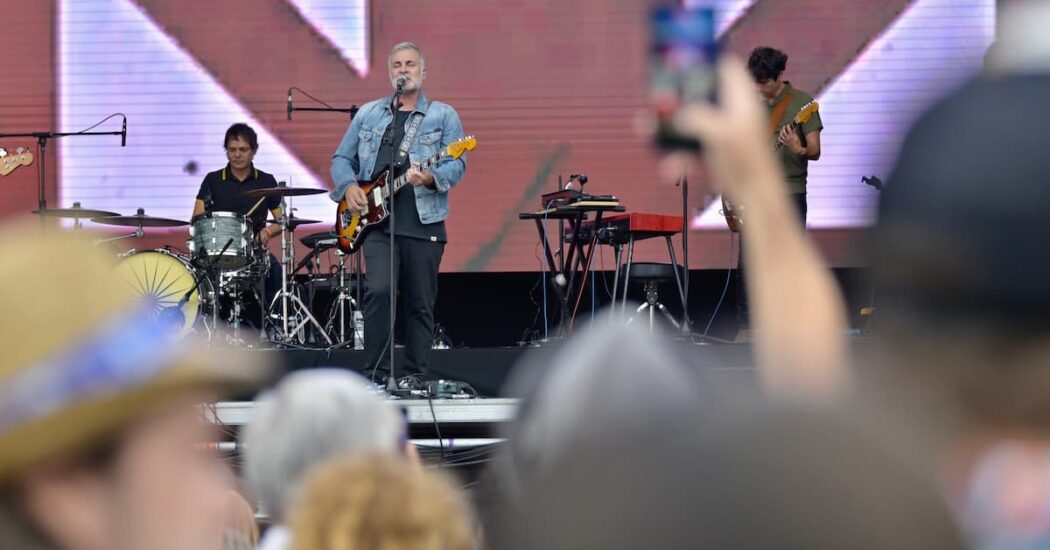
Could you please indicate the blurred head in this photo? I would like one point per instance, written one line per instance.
(98, 417)
(609, 381)
(594, 384)
(782, 478)
(767, 65)
(961, 255)
(241, 144)
(406, 60)
(369, 502)
(312, 416)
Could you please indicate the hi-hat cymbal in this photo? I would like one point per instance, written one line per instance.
(283, 192)
(294, 221)
(140, 219)
(74, 212)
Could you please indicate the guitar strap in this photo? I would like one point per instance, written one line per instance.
(410, 137)
(778, 112)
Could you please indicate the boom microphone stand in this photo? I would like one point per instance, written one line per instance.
(41, 140)
(326, 109)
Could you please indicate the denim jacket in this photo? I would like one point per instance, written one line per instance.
(355, 159)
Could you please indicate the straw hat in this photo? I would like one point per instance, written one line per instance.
(83, 356)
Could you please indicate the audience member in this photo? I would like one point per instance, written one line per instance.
(309, 417)
(380, 503)
(618, 444)
(99, 425)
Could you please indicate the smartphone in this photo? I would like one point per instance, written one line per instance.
(683, 53)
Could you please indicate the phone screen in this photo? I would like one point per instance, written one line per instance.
(682, 67)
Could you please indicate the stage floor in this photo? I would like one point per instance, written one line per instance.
(475, 419)
(487, 369)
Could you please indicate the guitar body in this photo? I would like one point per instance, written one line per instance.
(351, 226)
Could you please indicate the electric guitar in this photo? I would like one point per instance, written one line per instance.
(733, 212)
(351, 226)
(10, 161)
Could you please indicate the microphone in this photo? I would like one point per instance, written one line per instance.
(289, 104)
(124, 133)
(401, 81)
(581, 178)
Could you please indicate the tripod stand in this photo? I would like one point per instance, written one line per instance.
(345, 303)
(289, 300)
(652, 303)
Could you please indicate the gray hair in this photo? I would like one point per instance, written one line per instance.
(406, 46)
(309, 417)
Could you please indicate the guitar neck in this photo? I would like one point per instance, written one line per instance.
(778, 144)
(403, 179)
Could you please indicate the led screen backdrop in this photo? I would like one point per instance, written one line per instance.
(548, 86)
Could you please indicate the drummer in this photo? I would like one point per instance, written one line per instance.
(223, 191)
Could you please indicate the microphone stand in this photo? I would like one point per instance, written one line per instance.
(686, 322)
(41, 139)
(326, 109)
(395, 106)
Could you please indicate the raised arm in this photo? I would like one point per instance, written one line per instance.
(797, 311)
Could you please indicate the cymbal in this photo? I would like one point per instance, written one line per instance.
(283, 192)
(294, 221)
(139, 220)
(74, 212)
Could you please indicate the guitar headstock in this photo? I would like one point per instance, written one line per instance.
(10, 161)
(807, 112)
(457, 148)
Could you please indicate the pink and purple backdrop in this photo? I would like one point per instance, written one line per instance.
(549, 87)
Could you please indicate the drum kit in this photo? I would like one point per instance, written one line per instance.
(216, 286)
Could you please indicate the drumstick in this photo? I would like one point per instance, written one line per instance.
(249, 214)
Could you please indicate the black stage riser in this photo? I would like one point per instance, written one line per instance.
(501, 309)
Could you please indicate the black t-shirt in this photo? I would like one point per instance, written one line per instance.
(222, 192)
(407, 223)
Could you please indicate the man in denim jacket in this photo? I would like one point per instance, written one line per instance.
(419, 209)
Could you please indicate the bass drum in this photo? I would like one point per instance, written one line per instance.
(166, 277)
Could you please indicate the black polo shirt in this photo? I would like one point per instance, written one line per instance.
(222, 192)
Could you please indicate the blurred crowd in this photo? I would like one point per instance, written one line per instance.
(936, 436)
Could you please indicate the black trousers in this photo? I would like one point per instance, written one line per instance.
(743, 312)
(416, 264)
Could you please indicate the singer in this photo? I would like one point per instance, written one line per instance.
(411, 129)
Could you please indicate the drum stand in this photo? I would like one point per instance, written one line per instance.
(289, 299)
(343, 304)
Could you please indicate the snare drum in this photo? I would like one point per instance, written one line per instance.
(209, 235)
(166, 277)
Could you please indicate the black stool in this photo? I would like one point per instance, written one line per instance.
(651, 275)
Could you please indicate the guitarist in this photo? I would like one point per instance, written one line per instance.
(418, 129)
(798, 145)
